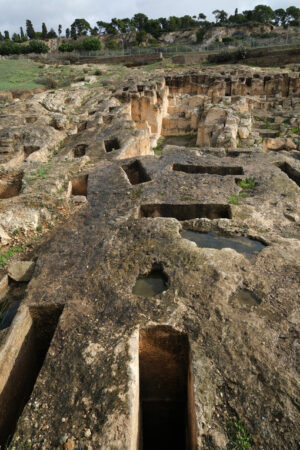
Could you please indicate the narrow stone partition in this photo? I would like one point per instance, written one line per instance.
(186, 211)
(112, 144)
(167, 412)
(10, 184)
(136, 173)
(79, 185)
(213, 170)
(292, 173)
(21, 358)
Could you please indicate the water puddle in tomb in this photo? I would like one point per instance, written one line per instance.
(245, 298)
(212, 240)
(150, 285)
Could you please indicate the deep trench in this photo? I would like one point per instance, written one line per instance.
(79, 185)
(136, 173)
(27, 366)
(185, 211)
(167, 415)
(213, 170)
(80, 150)
(10, 185)
(112, 144)
(292, 173)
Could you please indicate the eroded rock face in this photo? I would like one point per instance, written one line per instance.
(81, 326)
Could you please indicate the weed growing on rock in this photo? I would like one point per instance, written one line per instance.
(248, 183)
(159, 147)
(234, 200)
(238, 436)
(4, 257)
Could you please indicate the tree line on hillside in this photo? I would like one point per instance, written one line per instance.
(143, 25)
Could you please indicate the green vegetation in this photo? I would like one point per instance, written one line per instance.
(234, 200)
(19, 74)
(87, 44)
(5, 256)
(159, 147)
(26, 74)
(245, 185)
(149, 30)
(238, 436)
(41, 173)
(295, 130)
(8, 47)
(248, 183)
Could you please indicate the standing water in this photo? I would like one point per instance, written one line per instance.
(212, 240)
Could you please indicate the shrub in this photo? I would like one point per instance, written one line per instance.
(112, 45)
(227, 39)
(36, 47)
(12, 48)
(66, 47)
(200, 34)
(91, 44)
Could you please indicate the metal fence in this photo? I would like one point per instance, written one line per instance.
(248, 42)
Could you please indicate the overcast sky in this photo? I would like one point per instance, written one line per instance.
(53, 12)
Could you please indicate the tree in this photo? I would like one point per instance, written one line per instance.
(22, 33)
(101, 26)
(187, 22)
(30, 30)
(73, 33)
(201, 16)
(1, 37)
(293, 15)
(6, 35)
(16, 38)
(139, 21)
(94, 31)
(263, 14)
(67, 33)
(44, 31)
(111, 29)
(59, 30)
(141, 36)
(220, 15)
(153, 27)
(280, 17)
(51, 34)
(81, 27)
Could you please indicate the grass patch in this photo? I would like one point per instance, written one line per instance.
(159, 147)
(234, 200)
(245, 185)
(238, 436)
(4, 257)
(248, 183)
(41, 173)
(19, 74)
